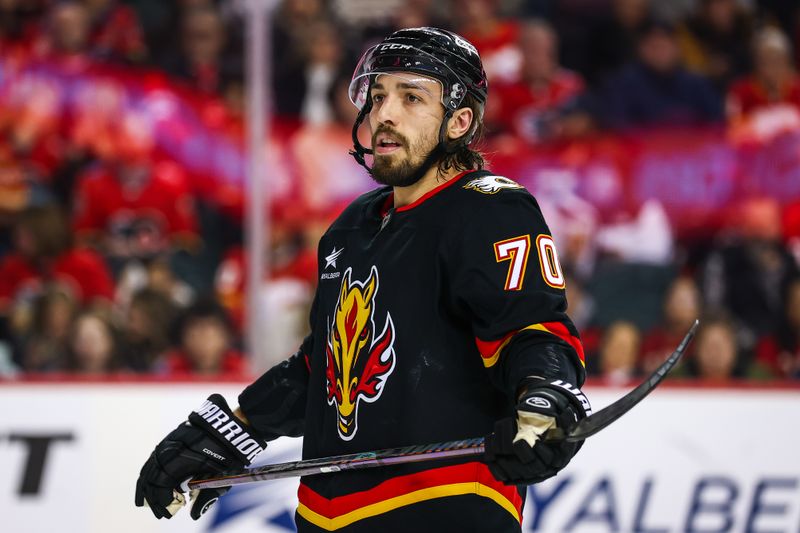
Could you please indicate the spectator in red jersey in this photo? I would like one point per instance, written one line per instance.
(200, 60)
(100, 29)
(20, 23)
(31, 126)
(682, 306)
(93, 348)
(146, 330)
(714, 41)
(773, 85)
(132, 208)
(531, 107)
(791, 229)
(43, 336)
(115, 32)
(291, 260)
(44, 255)
(495, 38)
(205, 339)
(779, 355)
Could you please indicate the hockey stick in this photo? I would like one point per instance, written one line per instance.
(586, 427)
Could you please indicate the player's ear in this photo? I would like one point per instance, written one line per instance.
(459, 124)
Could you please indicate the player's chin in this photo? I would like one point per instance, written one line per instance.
(387, 162)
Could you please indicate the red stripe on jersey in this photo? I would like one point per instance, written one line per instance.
(387, 204)
(432, 192)
(560, 330)
(490, 350)
(399, 491)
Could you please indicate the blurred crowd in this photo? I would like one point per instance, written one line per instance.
(115, 259)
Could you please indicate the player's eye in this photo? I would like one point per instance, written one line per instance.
(377, 98)
(413, 98)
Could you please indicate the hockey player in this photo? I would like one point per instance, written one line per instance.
(439, 315)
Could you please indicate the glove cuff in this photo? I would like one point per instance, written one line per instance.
(218, 421)
(571, 393)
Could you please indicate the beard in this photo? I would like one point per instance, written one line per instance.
(396, 172)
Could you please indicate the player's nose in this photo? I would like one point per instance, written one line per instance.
(389, 110)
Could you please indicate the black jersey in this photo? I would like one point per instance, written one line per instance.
(426, 318)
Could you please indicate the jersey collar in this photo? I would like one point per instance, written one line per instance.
(433, 192)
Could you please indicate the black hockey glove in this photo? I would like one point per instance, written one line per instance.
(517, 452)
(212, 441)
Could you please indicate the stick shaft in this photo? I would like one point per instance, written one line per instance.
(341, 463)
(445, 450)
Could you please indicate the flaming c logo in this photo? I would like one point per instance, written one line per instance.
(358, 361)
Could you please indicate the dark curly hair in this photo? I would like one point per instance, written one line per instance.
(459, 155)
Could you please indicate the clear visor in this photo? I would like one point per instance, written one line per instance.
(409, 80)
(416, 67)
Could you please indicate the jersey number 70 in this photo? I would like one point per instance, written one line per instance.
(516, 251)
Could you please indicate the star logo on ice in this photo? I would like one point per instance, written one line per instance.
(330, 260)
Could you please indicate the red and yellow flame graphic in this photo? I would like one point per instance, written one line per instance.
(358, 361)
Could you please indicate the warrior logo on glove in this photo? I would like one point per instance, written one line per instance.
(230, 429)
(358, 361)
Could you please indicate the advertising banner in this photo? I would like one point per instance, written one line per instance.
(685, 460)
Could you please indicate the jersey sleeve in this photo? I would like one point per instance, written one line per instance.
(508, 284)
(181, 211)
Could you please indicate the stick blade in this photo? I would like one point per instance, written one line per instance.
(600, 420)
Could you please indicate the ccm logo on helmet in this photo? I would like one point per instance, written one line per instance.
(229, 429)
(394, 46)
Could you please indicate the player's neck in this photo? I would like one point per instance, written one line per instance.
(432, 179)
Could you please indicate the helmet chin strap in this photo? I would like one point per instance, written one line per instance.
(359, 151)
